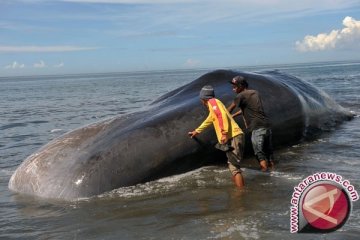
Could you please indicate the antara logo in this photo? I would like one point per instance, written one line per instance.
(321, 203)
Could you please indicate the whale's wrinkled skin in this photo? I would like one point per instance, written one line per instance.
(136, 147)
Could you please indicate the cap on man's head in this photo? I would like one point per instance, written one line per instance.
(239, 81)
(207, 92)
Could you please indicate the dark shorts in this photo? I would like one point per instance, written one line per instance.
(238, 144)
(261, 140)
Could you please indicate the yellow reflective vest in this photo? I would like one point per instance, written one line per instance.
(222, 120)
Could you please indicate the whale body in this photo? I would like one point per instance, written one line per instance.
(137, 147)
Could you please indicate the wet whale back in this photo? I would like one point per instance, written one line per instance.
(133, 148)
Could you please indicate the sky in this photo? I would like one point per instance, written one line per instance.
(40, 37)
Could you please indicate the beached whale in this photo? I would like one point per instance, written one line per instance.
(141, 146)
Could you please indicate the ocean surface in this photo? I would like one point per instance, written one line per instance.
(201, 204)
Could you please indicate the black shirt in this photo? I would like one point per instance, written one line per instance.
(250, 103)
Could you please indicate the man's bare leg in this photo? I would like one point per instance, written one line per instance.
(263, 165)
(239, 180)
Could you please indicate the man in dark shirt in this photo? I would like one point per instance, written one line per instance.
(255, 121)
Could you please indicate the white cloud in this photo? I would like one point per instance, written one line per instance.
(15, 65)
(40, 64)
(32, 49)
(60, 65)
(146, 17)
(192, 63)
(348, 37)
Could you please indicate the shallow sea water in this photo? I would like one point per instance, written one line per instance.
(201, 204)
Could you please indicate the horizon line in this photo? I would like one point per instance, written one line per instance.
(339, 62)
